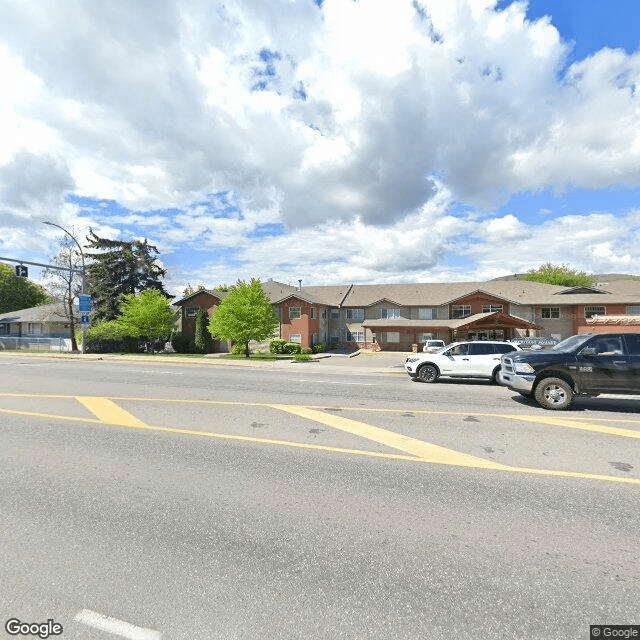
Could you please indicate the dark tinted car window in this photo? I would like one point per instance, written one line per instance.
(480, 349)
(633, 343)
(607, 344)
(504, 348)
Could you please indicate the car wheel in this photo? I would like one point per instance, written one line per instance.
(494, 375)
(428, 373)
(554, 393)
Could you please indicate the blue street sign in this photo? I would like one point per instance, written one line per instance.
(84, 302)
(85, 319)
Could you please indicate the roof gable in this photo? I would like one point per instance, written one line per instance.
(576, 290)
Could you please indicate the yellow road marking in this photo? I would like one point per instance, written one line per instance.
(109, 412)
(423, 450)
(219, 436)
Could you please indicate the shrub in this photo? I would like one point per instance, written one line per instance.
(320, 347)
(292, 347)
(180, 342)
(302, 357)
(277, 345)
(238, 349)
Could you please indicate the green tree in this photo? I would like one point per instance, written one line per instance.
(120, 268)
(561, 275)
(145, 315)
(67, 285)
(203, 341)
(19, 293)
(245, 314)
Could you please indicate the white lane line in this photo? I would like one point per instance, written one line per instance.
(171, 373)
(353, 384)
(115, 626)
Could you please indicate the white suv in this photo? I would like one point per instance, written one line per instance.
(479, 359)
(431, 346)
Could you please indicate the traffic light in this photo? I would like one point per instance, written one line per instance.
(22, 271)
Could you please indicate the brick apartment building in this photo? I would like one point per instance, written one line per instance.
(394, 317)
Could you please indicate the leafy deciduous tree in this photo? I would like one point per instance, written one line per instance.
(66, 285)
(146, 315)
(19, 293)
(245, 314)
(561, 275)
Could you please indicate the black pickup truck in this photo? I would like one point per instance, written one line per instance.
(587, 364)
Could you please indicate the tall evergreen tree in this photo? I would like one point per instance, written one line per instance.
(120, 268)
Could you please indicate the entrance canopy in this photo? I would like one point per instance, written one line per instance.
(493, 325)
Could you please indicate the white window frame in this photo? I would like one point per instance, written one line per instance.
(426, 313)
(292, 311)
(313, 313)
(191, 312)
(295, 337)
(355, 336)
(551, 313)
(593, 310)
(389, 314)
(633, 310)
(354, 314)
(335, 314)
(492, 308)
(465, 310)
(392, 336)
(34, 328)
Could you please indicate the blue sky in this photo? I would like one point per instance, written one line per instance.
(332, 142)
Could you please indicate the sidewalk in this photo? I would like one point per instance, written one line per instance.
(363, 361)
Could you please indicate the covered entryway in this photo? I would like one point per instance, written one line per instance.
(400, 334)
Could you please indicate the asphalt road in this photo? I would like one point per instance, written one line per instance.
(149, 500)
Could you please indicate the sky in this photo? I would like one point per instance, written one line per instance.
(328, 141)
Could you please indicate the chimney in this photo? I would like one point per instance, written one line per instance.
(299, 285)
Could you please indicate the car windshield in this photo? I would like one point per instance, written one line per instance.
(571, 343)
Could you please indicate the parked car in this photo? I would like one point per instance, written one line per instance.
(480, 359)
(432, 346)
(586, 364)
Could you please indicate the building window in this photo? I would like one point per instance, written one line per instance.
(355, 314)
(550, 312)
(295, 337)
(34, 328)
(191, 312)
(335, 314)
(313, 314)
(324, 313)
(426, 314)
(314, 338)
(355, 336)
(589, 312)
(460, 310)
(633, 310)
(389, 314)
(4, 329)
(391, 336)
(491, 308)
(294, 313)
(278, 312)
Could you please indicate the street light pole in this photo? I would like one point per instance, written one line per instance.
(84, 273)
